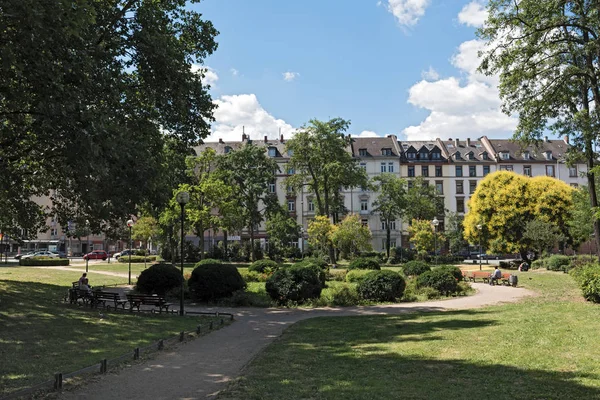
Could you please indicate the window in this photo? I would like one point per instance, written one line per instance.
(383, 167)
(392, 225)
(53, 232)
(505, 155)
(460, 204)
(573, 172)
(272, 187)
(410, 155)
(550, 170)
(486, 170)
(459, 187)
(471, 156)
(227, 150)
(527, 170)
(506, 168)
(411, 171)
(289, 189)
(411, 184)
(472, 186)
(472, 171)
(386, 152)
(363, 166)
(459, 170)
(391, 167)
(484, 156)
(438, 170)
(548, 155)
(435, 156)
(423, 155)
(291, 206)
(272, 151)
(526, 156)
(364, 222)
(364, 205)
(425, 170)
(439, 187)
(290, 152)
(362, 152)
(311, 206)
(290, 171)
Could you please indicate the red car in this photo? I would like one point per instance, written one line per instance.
(96, 255)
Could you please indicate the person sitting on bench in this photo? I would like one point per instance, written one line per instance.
(496, 275)
(84, 283)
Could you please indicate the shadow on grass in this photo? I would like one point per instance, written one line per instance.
(381, 358)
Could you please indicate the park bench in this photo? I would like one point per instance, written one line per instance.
(137, 300)
(483, 275)
(104, 298)
(504, 280)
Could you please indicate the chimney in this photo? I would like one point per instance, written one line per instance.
(545, 139)
(456, 142)
(468, 142)
(221, 141)
(265, 138)
(243, 137)
(281, 138)
(566, 139)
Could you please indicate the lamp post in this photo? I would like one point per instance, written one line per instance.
(479, 227)
(87, 259)
(302, 241)
(130, 225)
(182, 198)
(435, 223)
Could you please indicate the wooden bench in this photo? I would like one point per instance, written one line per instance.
(137, 300)
(483, 275)
(75, 294)
(101, 297)
(504, 280)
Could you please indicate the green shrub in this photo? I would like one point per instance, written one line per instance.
(589, 281)
(356, 275)
(137, 259)
(344, 296)
(213, 280)
(297, 283)
(539, 263)
(364, 263)
(429, 293)
(44, 262)
(453, 270)
(558, 263)
(415, 268)
(208, 261)
(582, 260)
(441, 280)
(251, 276)
(264, 266)
(338, 275)
(321, 263)
(383, 285)
(315, 265)
(159, 278)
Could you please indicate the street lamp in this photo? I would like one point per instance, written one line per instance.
(302, 240)
(182, 198)
(130, 225)
(479, 227)
(435, 223)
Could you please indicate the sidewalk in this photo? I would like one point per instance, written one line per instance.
(203, 367)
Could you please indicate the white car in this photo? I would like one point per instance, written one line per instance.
(40, 254)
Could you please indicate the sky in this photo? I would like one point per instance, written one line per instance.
(401, 67)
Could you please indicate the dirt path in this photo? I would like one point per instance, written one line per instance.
(201, 368)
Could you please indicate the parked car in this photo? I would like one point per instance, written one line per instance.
(125, 252)
(44, 253)
(488, 256)
(96, 255)
(61, 254)
(19, 256)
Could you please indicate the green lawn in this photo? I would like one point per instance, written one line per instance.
(541, 348)
(40, 335)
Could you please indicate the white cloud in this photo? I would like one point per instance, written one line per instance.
(473, 14)
(407, 12)
(234, 72)
(290, 76)
(243, 113)
(210, 75)
(430, 75)
(367, 134)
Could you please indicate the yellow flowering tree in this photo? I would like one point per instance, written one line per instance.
(319, 233)
(423, 236)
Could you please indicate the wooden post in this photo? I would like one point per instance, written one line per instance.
(58, 380)
(136, 353)
(103, 366)
(198, 329)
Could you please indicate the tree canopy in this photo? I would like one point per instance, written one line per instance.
(391, 202)
(422, 201)
(350, 236)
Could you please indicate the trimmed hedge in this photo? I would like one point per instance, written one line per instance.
(383, 285)
(415, 268)
(137, 259)
(558, 263)
(588, 277)
(297, 283)
(356, 275)
(159, 279)
(314, 260)
(214, 280)
(44, 262)
(453, 270)
(439, 279)
(264, 266)
(364, 263)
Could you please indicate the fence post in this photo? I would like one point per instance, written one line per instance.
(198, 329)
(103, 366)
(136, 353)
(161, 344)
(58, 380)
(181, 336)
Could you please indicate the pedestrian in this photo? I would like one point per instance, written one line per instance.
(84, 283)
(496, 275)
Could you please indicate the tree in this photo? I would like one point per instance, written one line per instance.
(545, 53)
(455, 233)
(282, 230)
(319, 233)
(145, 229)
(503, 204)
(423, 237)
(422, 201)
(391, 202)
(89, 90)
(581, 226)
(541, 236)
(250, 171)
(351, 237)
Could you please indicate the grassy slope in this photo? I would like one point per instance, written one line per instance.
(541, 348)
(40, 335)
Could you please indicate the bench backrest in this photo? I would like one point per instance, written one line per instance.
(145, 298)
(75, 284)
(506, 276)
(480, 274)
(110, 295)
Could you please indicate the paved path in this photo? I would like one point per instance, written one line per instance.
(201, 368)
(119, 274)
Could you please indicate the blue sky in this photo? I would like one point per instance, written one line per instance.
(403, 67)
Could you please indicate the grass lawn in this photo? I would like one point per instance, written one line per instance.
(40, 335)
(544, 347)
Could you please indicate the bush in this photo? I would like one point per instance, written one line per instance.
(213, 280)
(296, 283)
(383, 285)
(441, 280)
(400, 255)
(314, 260)
(44, 262)
(356, 275)
(159, 279)
(453, 270)
(558, 263)
(344, 296)
(364, 263)
(588, 278)
(264, 266)
(537, 264)
(208, 261)
(137, 259)
(415, 268)
(380, 256)
(338, 275)
(251, 276)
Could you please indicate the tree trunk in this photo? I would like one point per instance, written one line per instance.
(252, 257)
(388, 237)
(201, 241)
(225, 255)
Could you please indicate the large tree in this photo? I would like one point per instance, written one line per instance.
(391, 202)
(422, 201)
(89, 90)
(546, 55)
(351, 237)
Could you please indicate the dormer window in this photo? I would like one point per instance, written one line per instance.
(386, 152)
(505, 155)
(484, 156)
(526, 156)
(424, 155)
(227, 149)
(435, 156)
(410, 155)
(457, 155)
(272, 151)
(362, 152)
(548, 155)
(471, 156)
